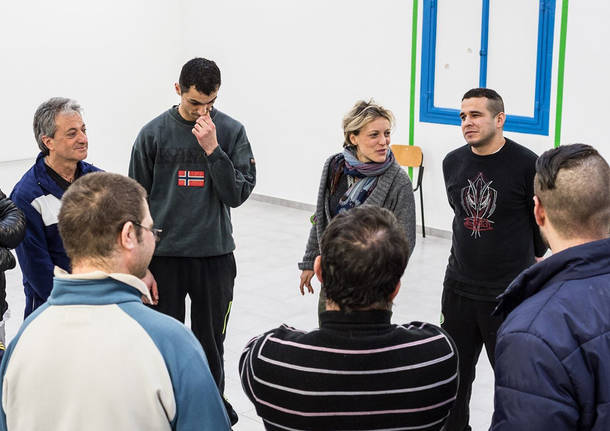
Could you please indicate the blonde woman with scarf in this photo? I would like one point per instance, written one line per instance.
(364, 173)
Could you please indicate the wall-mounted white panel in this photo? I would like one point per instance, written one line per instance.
(458, 42)
(512, 48)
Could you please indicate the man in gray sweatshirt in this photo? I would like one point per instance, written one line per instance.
(196, 163)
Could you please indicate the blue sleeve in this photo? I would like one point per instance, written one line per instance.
(33, 252)
(6, 357)
(533, 390)
(198, 403)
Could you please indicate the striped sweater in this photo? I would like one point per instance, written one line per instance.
(357, 372)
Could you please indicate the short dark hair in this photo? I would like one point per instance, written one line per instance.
(495, 104)
(364, 252)
(93, 211)
(204, 74)
(572, 183)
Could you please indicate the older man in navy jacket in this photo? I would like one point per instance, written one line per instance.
(553, 350)
(61, 135)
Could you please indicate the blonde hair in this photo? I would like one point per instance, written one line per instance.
(360, 115)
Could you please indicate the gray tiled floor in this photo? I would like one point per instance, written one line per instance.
(270, 240)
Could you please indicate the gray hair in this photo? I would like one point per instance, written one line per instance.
(44, 118)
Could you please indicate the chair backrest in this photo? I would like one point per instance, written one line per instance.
(408, 155)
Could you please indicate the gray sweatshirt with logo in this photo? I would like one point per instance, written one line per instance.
(190, 193)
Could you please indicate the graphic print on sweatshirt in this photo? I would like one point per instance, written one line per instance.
(479, 202)
(191, 178)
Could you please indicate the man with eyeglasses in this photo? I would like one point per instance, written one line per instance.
(93, 357)
(196, 164)
(61, 135)
(155, 231)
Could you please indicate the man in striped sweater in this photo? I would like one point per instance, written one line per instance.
(357, 371)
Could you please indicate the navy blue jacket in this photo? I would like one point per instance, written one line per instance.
(39, 196)
(553, 351)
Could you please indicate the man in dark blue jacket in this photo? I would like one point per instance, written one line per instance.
(553, 350)
(62, 138)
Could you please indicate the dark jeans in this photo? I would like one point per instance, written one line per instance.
(209, 283)
(32, 302)
(470, 323)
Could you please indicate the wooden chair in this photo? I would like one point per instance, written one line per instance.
(411, 156)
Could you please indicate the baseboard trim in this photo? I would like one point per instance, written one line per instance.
(430, 231)
(283, 202)
(438, 233)
(27, 160)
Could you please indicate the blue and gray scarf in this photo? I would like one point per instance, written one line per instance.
(368, 174)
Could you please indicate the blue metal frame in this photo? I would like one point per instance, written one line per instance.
(539, 123)
(484, 39)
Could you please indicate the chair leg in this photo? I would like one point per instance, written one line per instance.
(421, 204)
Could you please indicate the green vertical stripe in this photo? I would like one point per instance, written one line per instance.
(413, 64)
(560, 71)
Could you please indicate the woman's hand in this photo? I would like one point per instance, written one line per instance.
(306, 276)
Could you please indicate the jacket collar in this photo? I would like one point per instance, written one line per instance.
(43, 178)
(47, 183)
(579, 262)
(355, 319)
(104, 288)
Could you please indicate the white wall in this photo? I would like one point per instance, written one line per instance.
(439, 139)
(587, 85)
(116, 57)
(585, 101)
(292, 69)
(290, 72)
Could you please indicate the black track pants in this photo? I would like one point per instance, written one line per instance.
(470, 323)
(209, 283)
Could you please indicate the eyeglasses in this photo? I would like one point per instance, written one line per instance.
(155, 231)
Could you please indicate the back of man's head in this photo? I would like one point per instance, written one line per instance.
(93, 211)
(364, 252)
(202, 73)
(572, 184)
